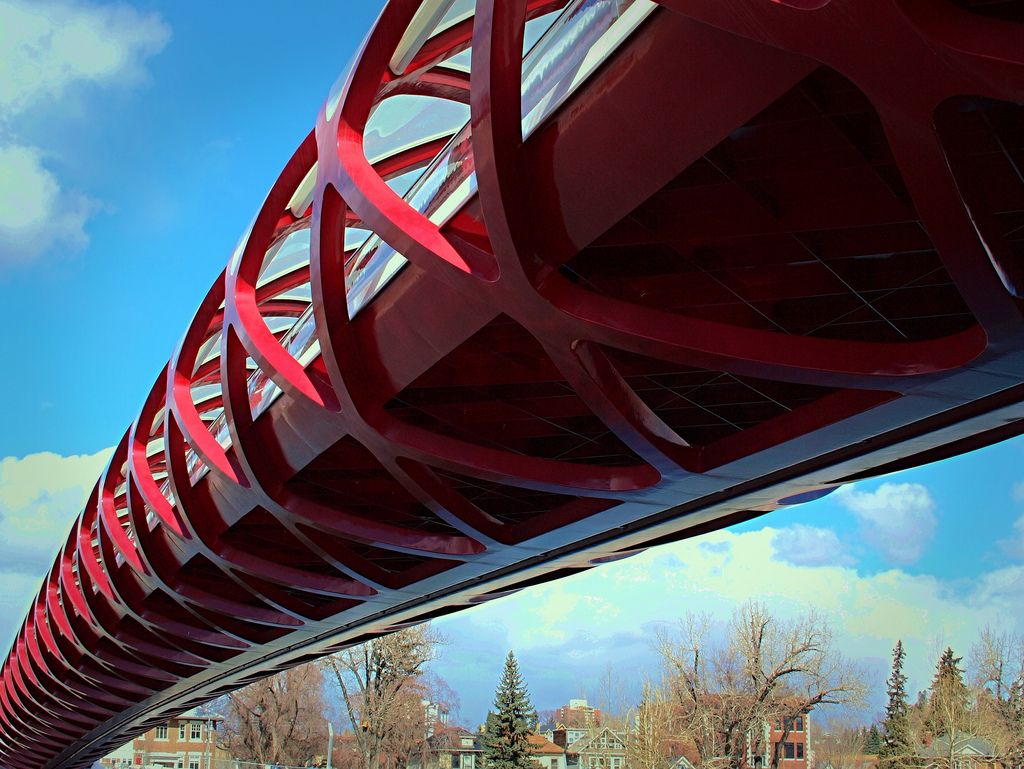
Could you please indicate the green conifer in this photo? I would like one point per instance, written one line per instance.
(948, 701)
(873, 741)
(506, 744)
(896, 748)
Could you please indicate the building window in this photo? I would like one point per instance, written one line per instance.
(161, 732)
(181, 731)
(800, 751)
(799, 724)
(789, 750)
(196, 732)
(193, 763)
(467, 760)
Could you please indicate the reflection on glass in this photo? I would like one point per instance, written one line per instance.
(572, 46)
(406, 121)
(420, 28)
(303, 195)
(286, 255)
(459, 11)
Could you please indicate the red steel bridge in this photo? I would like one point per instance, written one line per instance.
(504, 317)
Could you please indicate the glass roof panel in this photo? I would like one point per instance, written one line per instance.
(303, 196)
(408, 120)
(286, 255)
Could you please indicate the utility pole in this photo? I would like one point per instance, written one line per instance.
(330, 743)
(206, 744)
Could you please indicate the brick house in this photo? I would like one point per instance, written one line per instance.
(188, 741)
(794, 736)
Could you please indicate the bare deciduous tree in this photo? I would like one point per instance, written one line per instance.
(996, 669)
(611, 698)
(768, 670)
(648, 741)
(382, 687)
(840, 746)
(279, 719)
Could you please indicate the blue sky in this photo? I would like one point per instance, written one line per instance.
(137, 141)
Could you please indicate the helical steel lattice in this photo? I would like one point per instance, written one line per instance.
(504, 317)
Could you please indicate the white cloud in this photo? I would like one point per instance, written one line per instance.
(1018, 491)
(898, 519)
(803, 545)
(551, 626)
(35, 213)
(40, 495)
(1014, 544)
(46, 48)
(48, 52)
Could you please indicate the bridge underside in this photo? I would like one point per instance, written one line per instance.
(493, 325)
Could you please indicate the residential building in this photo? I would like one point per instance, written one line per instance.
(435, 716)
(681, 762)
(562, 735)
(121, 758)
(603, 748)
(578, 714)
(969, 753)
(793, 735)
(546, 753)
(449, 748)
(456, 748)
(188, 741)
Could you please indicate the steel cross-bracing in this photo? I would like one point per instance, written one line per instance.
(505, 316)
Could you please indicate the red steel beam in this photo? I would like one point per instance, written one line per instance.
(761, 248)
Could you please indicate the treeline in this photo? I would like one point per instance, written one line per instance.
(715, 696)
(984, 700)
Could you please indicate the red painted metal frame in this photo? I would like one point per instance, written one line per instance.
(351, 506)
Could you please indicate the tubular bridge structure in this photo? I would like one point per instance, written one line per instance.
(549, 282)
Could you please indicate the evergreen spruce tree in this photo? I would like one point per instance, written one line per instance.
(873, 741)
(1015, 721)
(505, 736)
(948, 702)
(896, 744)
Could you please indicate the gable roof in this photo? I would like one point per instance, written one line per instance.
(450, 739)
(199, 714)
(541, 745)
(588, 742)
(962, 745)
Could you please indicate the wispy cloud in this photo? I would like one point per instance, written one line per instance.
(897, 519)
(803, 545)
(50, 51)
(559, 633)
(35, 213)
(40, 495)
(1013, 545)
(1018, 491)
